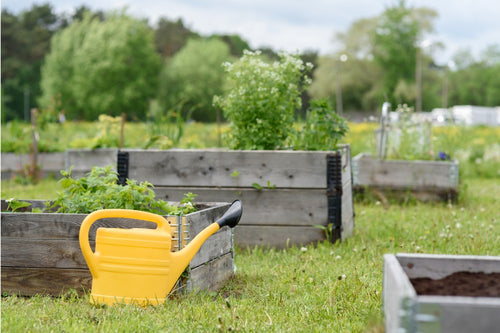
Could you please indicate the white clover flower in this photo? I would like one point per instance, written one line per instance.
(303, 249)
(338, 257)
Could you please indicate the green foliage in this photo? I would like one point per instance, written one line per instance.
(106, 135)
(100, 190)
(97, 67)
(396, 40)
(323, 128)
(193, 76)
(261, 100)
(408, 139)
(165, 128)
(25, 41)
(13, 204)
(171, 36)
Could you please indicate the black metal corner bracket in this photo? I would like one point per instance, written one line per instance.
(122, 167)
(334, 193)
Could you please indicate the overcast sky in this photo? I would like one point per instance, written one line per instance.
(300, 25)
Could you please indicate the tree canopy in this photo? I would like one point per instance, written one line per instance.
(97, 67)
(193, 76)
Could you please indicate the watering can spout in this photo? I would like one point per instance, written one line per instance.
(181, 259)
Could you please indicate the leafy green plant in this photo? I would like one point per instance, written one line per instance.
(100, 190)
(262, 98)
(327, 230)
(323, 128)
(166, 128)
(259, 187)
(409, 139)
(13, 204)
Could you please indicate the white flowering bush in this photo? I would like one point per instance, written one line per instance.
(261, 100)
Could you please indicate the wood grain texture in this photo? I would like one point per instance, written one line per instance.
(418, 175)
(82, 160)
(270, 206)
(44, 281)
(50, 163)
(199, 168)
(211, 275)
(276, 236)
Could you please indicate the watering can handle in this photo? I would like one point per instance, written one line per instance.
(112, 213)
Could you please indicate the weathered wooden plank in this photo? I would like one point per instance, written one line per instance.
(286, 169)
(211, 275)
(200, 220)
(82, 160)
(440, 266)
(44, 281)
(59, 226)
(397, 288)
(347, 211)
(266, 206)
(53, 253)
(405, 174)
(50, 163)
(217, 245)
(276, 236)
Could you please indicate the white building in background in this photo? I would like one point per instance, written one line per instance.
(476, 115)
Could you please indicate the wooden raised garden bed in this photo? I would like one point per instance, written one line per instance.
(441, 293)
(285, 194)
(50, 164)
(426, 180)
(41, 251)
(82, 161)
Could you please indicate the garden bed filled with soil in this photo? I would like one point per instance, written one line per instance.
(441, 293)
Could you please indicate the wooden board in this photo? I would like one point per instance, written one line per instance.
(418, 175)
(211, 275)
(82, 160)
(267, 206)
(44, 281)
(50, 163)
(276, 236)
(226, 168)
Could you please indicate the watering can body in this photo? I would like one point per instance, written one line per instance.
(136, 265)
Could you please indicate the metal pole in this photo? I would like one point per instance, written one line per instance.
(338, 90)
(418, 77)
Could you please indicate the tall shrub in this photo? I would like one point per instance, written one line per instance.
(99, 67)
(261, 100)
(193, 76)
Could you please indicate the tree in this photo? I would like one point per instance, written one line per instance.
(236, 44)
(193, 76)
(108, 67)
(171, 36)
(476, 82)
(25, 41)
(396, 47)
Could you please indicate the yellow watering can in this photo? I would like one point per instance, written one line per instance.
(136, 265)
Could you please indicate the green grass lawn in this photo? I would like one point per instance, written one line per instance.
(318, 288)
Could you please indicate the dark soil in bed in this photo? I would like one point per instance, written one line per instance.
(475, 284)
